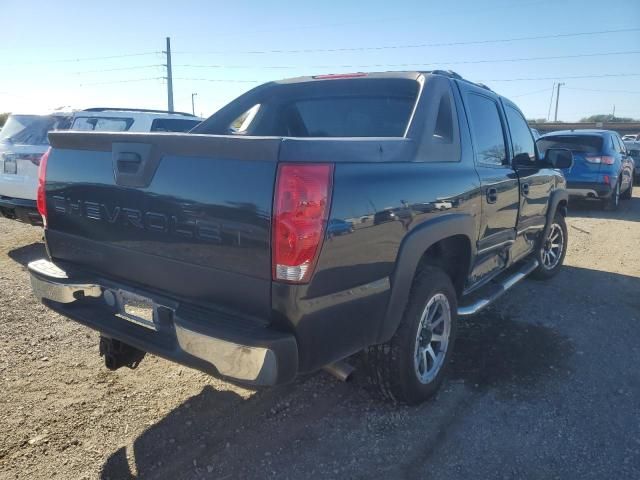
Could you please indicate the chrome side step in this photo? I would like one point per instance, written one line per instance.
(490, 293)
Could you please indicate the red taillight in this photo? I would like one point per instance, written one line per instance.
(606, 179)
(603, 159)
(42, 176)
(300, 210)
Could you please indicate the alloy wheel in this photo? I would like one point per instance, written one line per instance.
(553, 246)
(432, 338)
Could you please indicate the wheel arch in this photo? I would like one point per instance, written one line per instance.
(558, 201)
(447, 242)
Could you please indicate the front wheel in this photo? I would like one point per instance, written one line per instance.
(552, 250)
(411, 366)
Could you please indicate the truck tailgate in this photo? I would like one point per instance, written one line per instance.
(185, 215)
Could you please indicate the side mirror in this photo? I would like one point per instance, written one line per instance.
(522, 160)
(559, 157)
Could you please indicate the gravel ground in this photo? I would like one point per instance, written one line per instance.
(545, 384)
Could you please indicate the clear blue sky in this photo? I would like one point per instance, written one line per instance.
(38, 35)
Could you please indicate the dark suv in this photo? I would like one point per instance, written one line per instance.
(343, 213)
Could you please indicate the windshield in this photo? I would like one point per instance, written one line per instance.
(575, 143)
(31, 129)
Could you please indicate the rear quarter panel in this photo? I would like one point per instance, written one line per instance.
(344, 307)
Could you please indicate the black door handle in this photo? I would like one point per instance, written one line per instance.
(492, 195)
(525, 189)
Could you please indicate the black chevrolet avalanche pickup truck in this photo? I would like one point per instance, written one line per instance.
(306, 221)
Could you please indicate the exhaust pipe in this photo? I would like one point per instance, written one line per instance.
(340, 369)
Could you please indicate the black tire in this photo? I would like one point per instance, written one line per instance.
(628, 193)
(545, 270)
(613, 202)
(393, 366)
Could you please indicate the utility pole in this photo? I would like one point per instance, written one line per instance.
(553, 89)
(169, 76)
(193, 103)
(557, 101)
(614, 112)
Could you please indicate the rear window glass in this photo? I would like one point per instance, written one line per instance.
(173, 125)
(101, 124)
(349, 117)
(576, 143)
(32, 129)
(365, 107)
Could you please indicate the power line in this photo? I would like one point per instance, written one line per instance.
(221, 80)
(446, 12)
(545, 90)
(86, 59)
(122, 81)
(418, 45)
(376, 65)
(601, 91)
(561, 77)
(119, 69)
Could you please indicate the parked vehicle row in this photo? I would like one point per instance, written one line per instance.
(23, 141)
(341, 213)
(631, 138)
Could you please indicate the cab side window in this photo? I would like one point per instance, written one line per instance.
(486, 128)
(521, 136)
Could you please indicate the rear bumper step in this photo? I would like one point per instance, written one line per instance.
(494, 289)
(213, 342)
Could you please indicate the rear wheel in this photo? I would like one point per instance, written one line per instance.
(628, 192)
(411, 366)
(553, 249)
(613, 202)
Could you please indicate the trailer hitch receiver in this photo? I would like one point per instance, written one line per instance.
(117, 354)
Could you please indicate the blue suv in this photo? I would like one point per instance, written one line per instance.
(602, 168)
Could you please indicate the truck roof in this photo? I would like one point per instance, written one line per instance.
(409, 75)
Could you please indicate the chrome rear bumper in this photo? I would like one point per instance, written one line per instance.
(256, 356)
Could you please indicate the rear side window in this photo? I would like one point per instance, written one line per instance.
(348, 117)
(576, 143)
(443, 131)
(173, 125)
(521, 137)
(486, 126)
(101, 124)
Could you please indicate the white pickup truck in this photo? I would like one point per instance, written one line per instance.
(23, 140)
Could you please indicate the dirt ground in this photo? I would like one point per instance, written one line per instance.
(544, 384)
